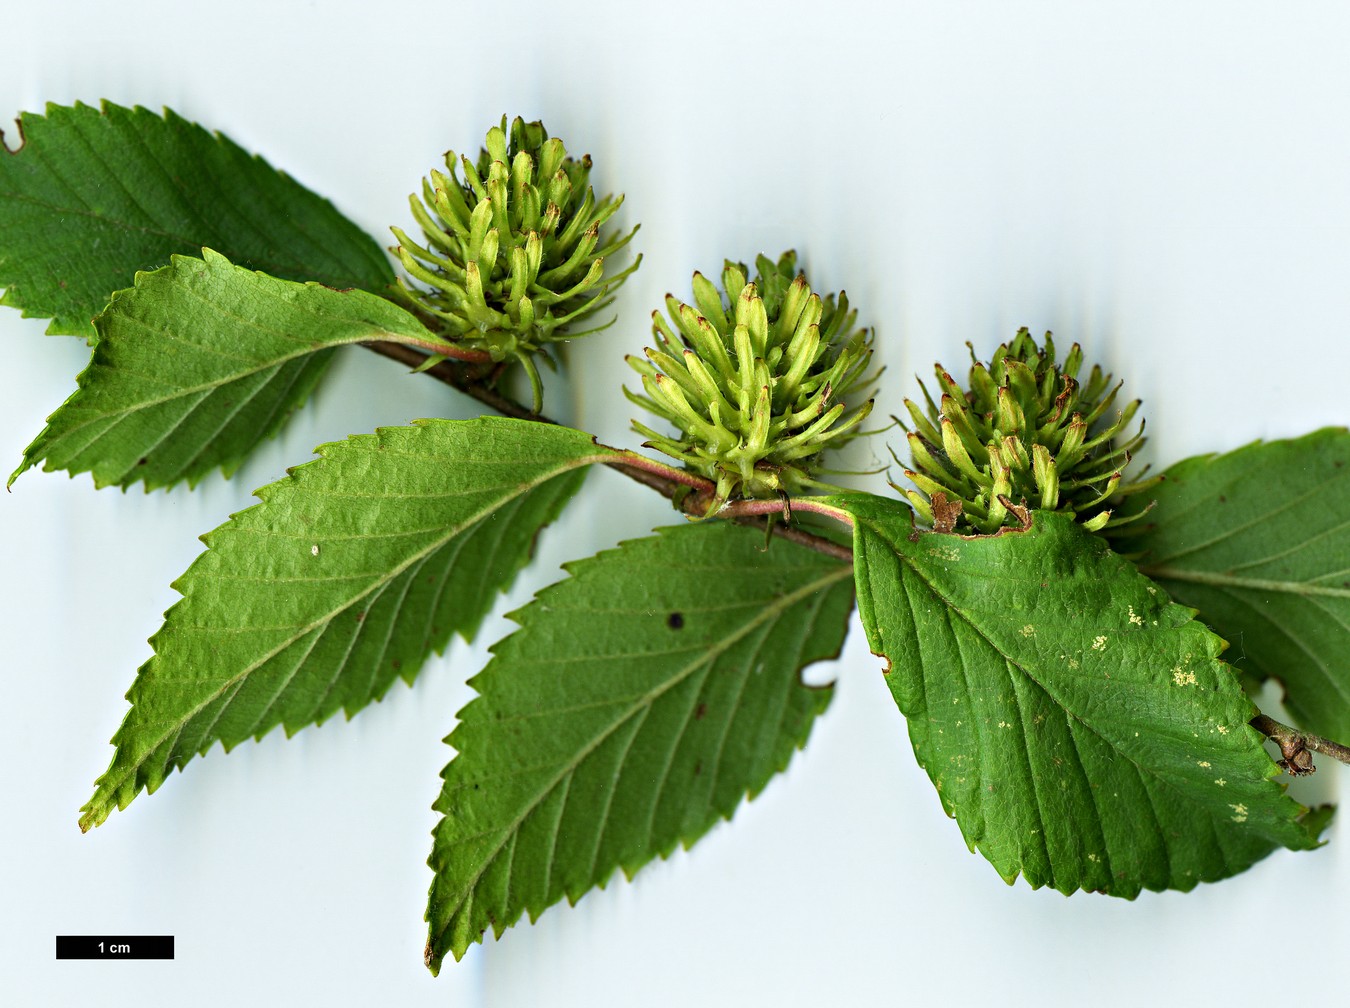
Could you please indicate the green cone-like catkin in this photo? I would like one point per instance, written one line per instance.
(515, 252)
(1027, 434)
(758, 384)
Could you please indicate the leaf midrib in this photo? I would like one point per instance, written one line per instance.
(183, 391)
(642, 703)
(267, 265)
(518, 489)
(1011, 662)
(1219, 580)
(1315, 660)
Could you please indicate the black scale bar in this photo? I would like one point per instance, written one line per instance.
(114, 946)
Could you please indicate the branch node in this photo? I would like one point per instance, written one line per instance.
(1297, 747)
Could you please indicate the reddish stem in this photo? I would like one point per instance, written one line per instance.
(673, 484)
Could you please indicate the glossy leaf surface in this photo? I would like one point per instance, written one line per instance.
(346, 576)
(197, 364)
(1258, 540)
(93, 195)
(642, 699)
(1076, 723)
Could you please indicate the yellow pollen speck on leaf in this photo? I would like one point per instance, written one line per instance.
(1221, 782)
(1099, 643)
(1204, 763)
(1134, 618)
(1183, 678)
(1028, 630)
(314, 550)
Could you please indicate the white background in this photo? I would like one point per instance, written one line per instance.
(1171, 188)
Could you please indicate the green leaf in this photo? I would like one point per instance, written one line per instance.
(93, 195)
(348, 574)
(197, 364)
(1258, 540)
(641, 700)
(1075, 721)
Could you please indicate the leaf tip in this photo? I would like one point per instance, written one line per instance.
(1316, 821)
(90, 817)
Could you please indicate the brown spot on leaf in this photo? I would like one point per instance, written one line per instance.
(945, 512)
(1019, 511)
(699, 711)
(4, 144)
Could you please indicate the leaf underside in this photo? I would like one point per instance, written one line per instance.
(1076, 723)
(95, 194)
(642, 699)
(350, 572)
(196, 365)
(1258, 540)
